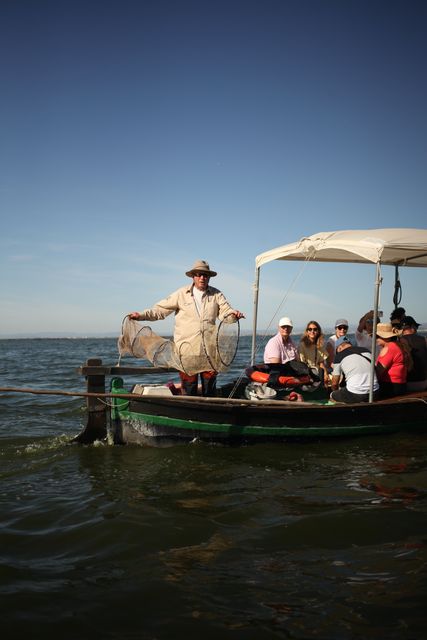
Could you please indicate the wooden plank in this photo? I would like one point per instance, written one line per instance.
(104, 370)
(415, 396)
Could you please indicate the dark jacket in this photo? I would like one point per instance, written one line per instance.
(418, 348)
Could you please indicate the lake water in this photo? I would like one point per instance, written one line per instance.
(294, 541)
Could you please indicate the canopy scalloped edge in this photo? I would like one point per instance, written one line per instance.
(403, 247)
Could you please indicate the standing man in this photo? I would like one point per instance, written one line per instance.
(196, 307)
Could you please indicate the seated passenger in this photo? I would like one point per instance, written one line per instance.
(354, 363)
(417, 375)
(391, 367)
(396, 317)
(312, 351)
(281, 348)
(341, 328)
(364, 331)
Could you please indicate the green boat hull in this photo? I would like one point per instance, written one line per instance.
(152, 419)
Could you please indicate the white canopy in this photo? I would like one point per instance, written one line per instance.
(401, 247)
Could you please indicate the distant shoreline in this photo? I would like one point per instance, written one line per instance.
(108, 336)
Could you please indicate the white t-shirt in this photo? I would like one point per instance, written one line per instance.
(198, 295)
(355, 364)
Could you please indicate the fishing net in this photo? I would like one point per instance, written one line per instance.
(213, 349)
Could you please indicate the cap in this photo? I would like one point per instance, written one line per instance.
(285, 321)
(341, 321)
(341, 340)
(409, 321)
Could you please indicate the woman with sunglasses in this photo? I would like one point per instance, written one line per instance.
(341, 328)
(312, 351)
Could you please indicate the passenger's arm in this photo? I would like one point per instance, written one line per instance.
(335, 382)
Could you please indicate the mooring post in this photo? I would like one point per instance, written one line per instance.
(96, 426)
(95, 384)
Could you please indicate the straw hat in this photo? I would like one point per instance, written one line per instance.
(386, 330)
(200, 266)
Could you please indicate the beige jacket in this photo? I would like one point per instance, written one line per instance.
(189, 326)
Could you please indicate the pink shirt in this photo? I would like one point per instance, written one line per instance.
(276, 348)
(393, 363)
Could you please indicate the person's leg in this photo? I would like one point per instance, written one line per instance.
(209, 383)
(189, 384)
(344, 395)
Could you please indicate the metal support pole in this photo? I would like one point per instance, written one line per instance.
(255, 316)
(378, 281)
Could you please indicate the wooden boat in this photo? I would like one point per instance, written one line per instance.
(157, 416)
(151, 419)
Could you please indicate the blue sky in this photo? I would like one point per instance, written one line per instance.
(137, 137)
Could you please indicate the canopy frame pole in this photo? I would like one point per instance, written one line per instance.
(378, 281)
(255, 317)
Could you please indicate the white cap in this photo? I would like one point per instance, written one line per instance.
(285, 321)
(341, 321)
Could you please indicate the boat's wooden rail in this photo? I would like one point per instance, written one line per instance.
(95, 373)
(94, 367)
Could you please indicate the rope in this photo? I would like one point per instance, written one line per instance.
(264, 337)
(397, 296)
(60, 392)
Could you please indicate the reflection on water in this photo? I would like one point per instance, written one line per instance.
(293, 541)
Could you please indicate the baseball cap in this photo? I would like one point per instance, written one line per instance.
(409, 321)
(341, 321)
(341, 340)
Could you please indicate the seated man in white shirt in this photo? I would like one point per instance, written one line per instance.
(354, 363)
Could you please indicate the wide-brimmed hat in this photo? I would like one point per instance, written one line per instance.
(387, 330)
(200, 266)
(409, 321)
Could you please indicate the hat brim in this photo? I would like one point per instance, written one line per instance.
(389, 334)
(191, 273)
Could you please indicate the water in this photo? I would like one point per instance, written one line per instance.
(317, 540)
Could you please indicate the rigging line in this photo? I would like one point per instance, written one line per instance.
(263, 340)
(286, 295)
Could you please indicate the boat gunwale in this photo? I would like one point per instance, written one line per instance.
(420, 396)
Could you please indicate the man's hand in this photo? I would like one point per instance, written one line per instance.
(238, 314)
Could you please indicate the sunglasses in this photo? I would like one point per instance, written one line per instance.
(312, 329)
(286, 326)
(201, 275)
(343, 327)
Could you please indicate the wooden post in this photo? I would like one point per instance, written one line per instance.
(96, 425)
(95, 384)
